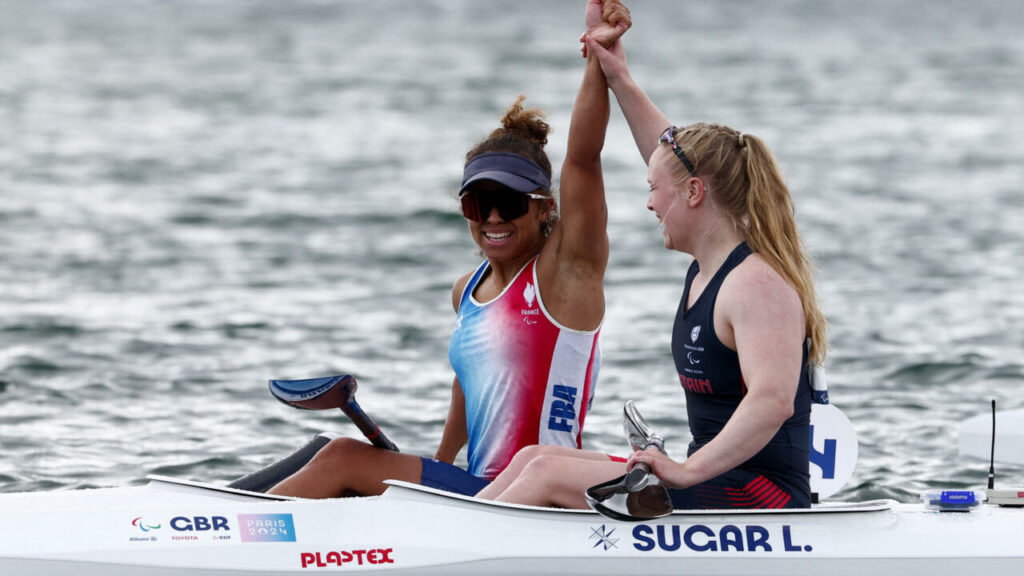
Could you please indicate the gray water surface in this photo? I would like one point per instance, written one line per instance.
(197, 196)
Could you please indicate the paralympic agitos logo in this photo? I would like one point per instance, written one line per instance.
(145, 526)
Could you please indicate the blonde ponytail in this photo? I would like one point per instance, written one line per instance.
(746, 183)
(771, 232)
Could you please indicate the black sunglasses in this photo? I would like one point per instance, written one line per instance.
(477, 204)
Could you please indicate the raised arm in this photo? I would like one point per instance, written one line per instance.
(646, 122)
(584, 212)
(572, 280)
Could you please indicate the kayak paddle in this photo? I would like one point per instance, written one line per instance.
(638, 494)
(331, 392)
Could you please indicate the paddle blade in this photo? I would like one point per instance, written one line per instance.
(331, 392)
(649, 503)
(315, 393)
(614, 500)
(638, 432)
(605, 490)
(613, 507)
(637, 495)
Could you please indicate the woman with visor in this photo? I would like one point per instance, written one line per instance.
(524, 348)
(746, 326)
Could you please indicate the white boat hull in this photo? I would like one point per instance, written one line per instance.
(169, 528)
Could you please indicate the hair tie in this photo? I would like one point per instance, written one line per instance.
(742, 142)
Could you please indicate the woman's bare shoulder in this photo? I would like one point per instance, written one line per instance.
(459, 287)
(755, 284)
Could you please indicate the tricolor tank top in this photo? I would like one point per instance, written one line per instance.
(526, 379)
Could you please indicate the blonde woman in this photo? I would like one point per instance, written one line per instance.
(745, 330)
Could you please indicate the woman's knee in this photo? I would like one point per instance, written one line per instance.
(545, 467)
(528, 453)
(340, 450)
(535, 451)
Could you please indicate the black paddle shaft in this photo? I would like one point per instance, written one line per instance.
(367, 426)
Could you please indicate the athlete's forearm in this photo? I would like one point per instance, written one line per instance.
(646, 122)
(589, 123)
(754, 423)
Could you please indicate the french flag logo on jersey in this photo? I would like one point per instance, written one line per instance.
(529, 294)
(530, 313)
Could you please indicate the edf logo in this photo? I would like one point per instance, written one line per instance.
(199, 523)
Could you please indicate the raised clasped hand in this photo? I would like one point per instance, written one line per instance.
(606, 21)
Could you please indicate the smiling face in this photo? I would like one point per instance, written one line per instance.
(666, 200)
(509, 240)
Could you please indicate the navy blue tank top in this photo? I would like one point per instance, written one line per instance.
(710, 375)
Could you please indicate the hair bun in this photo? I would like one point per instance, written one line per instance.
(527, 122)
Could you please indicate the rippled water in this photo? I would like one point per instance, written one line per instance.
(197, 196)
